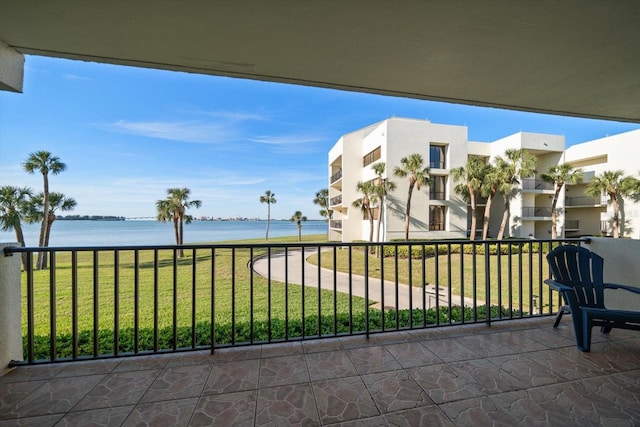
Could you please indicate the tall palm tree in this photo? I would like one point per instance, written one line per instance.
(297, 217)
(14, 208)
(269, 198)
(174, 208)
(45, 163)
(322, 200)
(57, 202)
(614, 185)
(412, 167)
(364, 203)
(559, 175)
(515, 165)
(471, 175)
(381, 187)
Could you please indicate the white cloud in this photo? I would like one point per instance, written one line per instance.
(182, 131)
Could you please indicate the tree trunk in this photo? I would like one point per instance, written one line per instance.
(474, 220)
(20, 239)
(408, 214)
(381, 204)
(299, 233)
(505, 218)
(554, 213)
(41, 262)
(370, 213)
(616, 216)
(486, 217)
(47, 234)
(266, 237)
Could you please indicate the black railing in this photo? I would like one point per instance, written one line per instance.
(536, 184)
(337, 200)
(585, 201)
(336, 223)
(336, 176)
(531, 211)
(97, 302)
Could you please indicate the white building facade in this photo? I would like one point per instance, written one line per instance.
(437, 212)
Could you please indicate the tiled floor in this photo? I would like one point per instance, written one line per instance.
(512, 373)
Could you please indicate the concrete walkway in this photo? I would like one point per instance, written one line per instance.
(408, 297)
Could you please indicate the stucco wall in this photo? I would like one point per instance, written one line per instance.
(10, 320)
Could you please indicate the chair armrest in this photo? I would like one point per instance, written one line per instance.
(624, 287)
(557, 286)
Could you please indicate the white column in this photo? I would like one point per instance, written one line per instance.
(11, 69)
(10, 320)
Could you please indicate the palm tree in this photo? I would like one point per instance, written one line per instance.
(381, 187)
(298, 218)
(471, 176)
(364, 203)
(412, 167)
(269, 198)
(515, 165)
(322, 200)
(57, 202)
(174, 208)
(14, 208)
(45, 163)
(559, 175)
(615, 186)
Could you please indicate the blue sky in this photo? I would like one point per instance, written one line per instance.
(128, 134)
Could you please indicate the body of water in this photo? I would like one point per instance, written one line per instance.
(104, 233)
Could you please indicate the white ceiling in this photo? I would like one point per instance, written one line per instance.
(574, 57)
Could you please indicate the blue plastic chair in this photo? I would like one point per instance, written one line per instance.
(578, 276)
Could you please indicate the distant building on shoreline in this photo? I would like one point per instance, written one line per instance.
(437, 212)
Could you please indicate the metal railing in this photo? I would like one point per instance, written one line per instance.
(336, 176)
(100, 302)
(532, 211)
(337, 200)
(536, 184)
(336, 224)
(585, 201)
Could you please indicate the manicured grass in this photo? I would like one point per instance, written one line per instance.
(190, 282)
(458, 269)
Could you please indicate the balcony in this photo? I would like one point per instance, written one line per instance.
(535, 212)
(335, 224)
(530, 184)
(584, 201)
(572, 225)
(400, 370)
(336, 176)
(336, 201)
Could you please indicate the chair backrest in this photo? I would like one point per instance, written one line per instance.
(581, 269)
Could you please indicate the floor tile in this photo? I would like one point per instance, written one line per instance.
(370, 360)
(287, 405)
(230, 409)
(96, 417)
(431, 416)
(229, 377)
(168, 413)
(394, 391)
(118, 389)
(332, 364)
(283, 370)
(443, 383)
(177, 383)
(343, 399)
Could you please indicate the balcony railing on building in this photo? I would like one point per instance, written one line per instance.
(336, 176)
(584, 201)
(335, 201)
(98, 302)
(536, 184)
(572, 225)
(533, 212)
(336, 223)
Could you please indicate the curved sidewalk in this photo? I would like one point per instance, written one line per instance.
(408, 297)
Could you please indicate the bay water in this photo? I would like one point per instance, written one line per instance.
(137, 232)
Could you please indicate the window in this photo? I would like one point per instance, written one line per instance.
(437, 157)
(371, 157)
(437, 216)
(438, 188)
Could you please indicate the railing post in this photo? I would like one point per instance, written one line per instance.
(10, 320)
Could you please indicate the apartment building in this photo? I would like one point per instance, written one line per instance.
(437, 212)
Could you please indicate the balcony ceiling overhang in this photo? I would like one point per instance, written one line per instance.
(571, 57)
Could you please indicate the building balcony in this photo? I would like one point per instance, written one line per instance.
(335, 224)
(336, 177)
(531, 184)
(535, 212)
(336, 201)
(584, 201)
